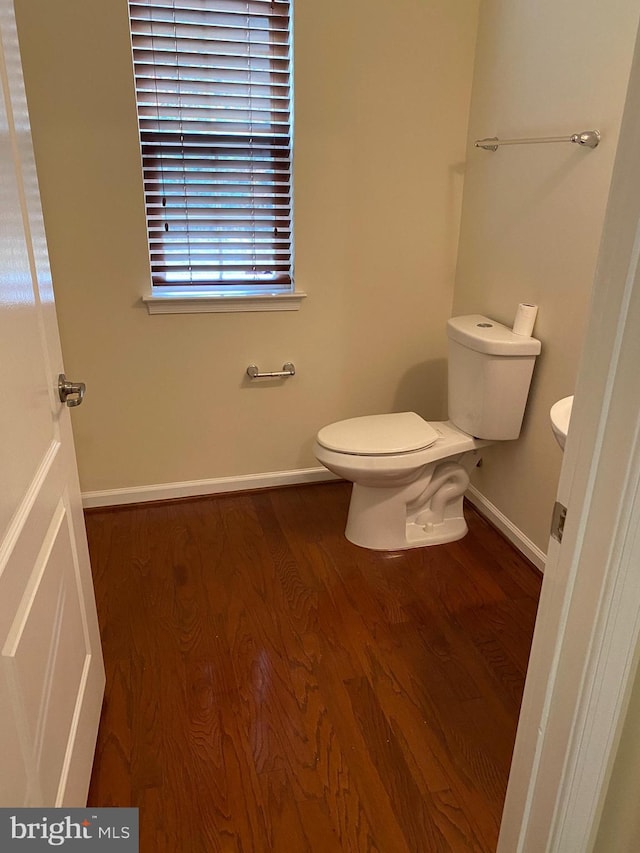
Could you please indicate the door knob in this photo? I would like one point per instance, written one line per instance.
(71, 393)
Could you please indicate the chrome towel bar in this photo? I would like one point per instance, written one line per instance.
(288, 369)
(588, 139)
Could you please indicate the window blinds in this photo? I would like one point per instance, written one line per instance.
(213, 83)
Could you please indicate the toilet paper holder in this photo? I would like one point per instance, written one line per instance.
(288, 369)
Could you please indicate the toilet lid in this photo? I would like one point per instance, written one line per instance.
(377, 435)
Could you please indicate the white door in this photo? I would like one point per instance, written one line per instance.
(51, 671)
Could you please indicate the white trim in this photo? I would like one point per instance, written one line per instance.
(508, 529)
(194, 488)
(207, 304)
(605, 689)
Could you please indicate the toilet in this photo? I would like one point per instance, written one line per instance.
(409, 475)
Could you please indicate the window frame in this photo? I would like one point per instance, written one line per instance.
(243, 294)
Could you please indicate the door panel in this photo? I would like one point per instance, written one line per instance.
(13, 778)
(44, 659)
(25, 413)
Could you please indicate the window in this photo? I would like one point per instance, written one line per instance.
(213, 88)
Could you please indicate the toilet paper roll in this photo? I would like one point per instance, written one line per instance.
(525, 319)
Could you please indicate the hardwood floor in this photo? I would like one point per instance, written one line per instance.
(271, 687)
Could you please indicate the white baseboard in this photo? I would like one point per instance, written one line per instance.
(507, 528)
(194, 488)
(247, 482)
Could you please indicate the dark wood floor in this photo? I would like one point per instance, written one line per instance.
(271, 687)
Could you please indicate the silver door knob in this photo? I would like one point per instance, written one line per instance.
(71, 393)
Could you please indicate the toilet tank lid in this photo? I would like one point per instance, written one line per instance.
(378, 435)
(482, 334)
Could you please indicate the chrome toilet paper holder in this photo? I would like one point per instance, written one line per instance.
(288, 369)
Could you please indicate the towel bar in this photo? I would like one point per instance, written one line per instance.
(588, 138)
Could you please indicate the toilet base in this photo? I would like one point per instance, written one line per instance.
(415, 536)
(394, 519)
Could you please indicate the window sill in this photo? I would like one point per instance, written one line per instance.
(207, 304)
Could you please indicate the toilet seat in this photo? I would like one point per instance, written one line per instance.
(378, 435)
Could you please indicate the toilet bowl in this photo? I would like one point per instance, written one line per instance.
(409, 475)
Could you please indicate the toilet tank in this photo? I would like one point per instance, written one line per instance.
(490, 372)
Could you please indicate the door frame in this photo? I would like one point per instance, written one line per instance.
(585, 647)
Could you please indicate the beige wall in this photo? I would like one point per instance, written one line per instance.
(532, 216)
(382, 104)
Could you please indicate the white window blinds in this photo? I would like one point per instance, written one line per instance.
(213, 83)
